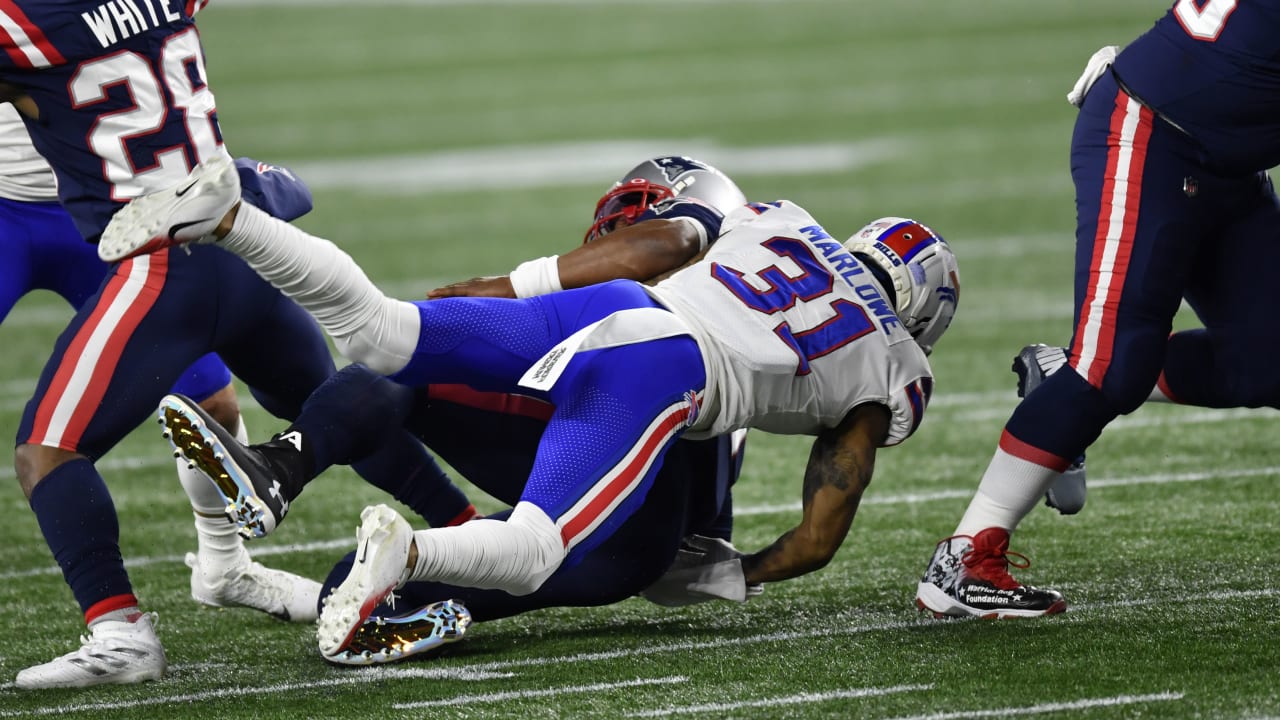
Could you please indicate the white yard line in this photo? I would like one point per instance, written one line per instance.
(782, 701)
(746, 510)
(1048, 707)
(481, 671)
(518, 167)
(357, 677)
(545, 692)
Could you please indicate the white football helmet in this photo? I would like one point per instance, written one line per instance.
(658, 179)
(921, 271)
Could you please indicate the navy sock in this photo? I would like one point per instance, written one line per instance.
(79, 523)
(357, 418)
(403, 467)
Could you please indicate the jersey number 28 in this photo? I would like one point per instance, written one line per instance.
(182, 75)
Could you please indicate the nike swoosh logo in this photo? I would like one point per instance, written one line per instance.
(364, 551)
(178, 227)
(184, 190)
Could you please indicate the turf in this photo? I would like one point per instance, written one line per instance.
(953, 113)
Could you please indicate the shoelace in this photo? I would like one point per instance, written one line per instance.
(994, 567)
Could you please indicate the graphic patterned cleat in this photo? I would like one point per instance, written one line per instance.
(969, 577)
(1033, 364)
(114, 652)
(282, 595)
(187, 212)
(382, 554)
(249, 484)
(391, 639)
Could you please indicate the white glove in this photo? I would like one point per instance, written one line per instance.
(704, 569)
(1098, 64)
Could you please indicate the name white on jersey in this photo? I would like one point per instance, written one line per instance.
(794, 331)
(118, 20)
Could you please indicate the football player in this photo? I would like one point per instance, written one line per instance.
(778, 326)
(345, 418)
(119, 105)
(1169, 157)
(43, 250)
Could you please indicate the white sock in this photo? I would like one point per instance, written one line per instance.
(366, 325)
(1009, 490)
(218, 544)
(516, 555)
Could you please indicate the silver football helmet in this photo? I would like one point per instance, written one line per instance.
(658, 179)
(921, 270)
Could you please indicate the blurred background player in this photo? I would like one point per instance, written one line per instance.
(1169, 159)
(41, 249)
(349, 414)
(819, 348)
(119, 113)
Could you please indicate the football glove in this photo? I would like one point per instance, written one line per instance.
(704, 569)
(1098, 64)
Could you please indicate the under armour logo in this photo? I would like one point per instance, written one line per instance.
(275, 493)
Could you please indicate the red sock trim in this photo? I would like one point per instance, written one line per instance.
(111, 604)
(467, 514)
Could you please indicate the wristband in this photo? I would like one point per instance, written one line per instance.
(536, 277)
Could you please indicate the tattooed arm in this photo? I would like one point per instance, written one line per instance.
(839, 470)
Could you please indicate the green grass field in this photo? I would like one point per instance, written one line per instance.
(451, 139)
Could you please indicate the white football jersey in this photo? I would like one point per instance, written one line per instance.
(794, 330)
(24, 174)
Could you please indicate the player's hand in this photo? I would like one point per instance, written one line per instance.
(493, 286)
(705, 569)
(1098, 64)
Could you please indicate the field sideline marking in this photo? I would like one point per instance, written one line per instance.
(898, 499)
(500, 666)
(546, 692)
(781, 701)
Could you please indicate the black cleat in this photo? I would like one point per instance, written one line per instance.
(257, 491)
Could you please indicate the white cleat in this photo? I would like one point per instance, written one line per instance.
(187, 212)
(281, 594)
(113, 652)
(382, 553)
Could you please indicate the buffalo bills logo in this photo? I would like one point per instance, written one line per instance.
(675, 166)
(695, 405)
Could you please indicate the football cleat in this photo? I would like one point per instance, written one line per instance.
(114, 652)
(381, 565)
(1033, 364)
(282, 595)
(187, 212)
(250, 484)
(969, 576)
(389, 639)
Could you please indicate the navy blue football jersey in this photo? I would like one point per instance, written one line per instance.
(125, 107)
(1212, 67)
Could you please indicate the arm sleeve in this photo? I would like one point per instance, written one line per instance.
(705, 217)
